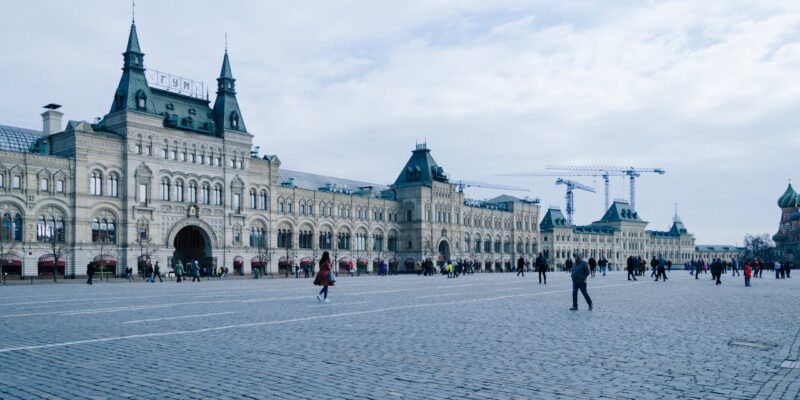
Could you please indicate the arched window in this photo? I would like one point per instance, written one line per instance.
(179, 191)
(113, 185)
(49, 228)
(192, 192)
(165, 187)
(257, 236)
(262, 201)
(235, 120)
(325, 240)
(253, 199)
(204, 194)
(95, 184)
(218, 195)
(11, 226)
(285, 238)
(141, 100)
(103, 231)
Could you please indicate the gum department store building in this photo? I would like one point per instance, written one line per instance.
(166, 175)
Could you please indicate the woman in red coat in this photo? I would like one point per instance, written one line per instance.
(323, 277)
(747, 273)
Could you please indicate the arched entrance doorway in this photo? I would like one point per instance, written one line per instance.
(192, 243)
(444, 250)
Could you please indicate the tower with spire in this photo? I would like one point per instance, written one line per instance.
(227, 115)
(788, 237)
(133, 93)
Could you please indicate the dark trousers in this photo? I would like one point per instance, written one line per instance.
(582, 288)
(521, 271)
(661, 273)
(89, 280)
(324, 291)
(543, 275)
(178, 277)
(157, 274)
(718, 275)
(195, 277)
(734, 271)
(631, 275)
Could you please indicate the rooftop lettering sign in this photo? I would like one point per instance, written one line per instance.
(175, 84)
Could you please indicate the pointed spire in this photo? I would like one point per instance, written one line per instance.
(226, 67)
(133, 41)
(676, 218)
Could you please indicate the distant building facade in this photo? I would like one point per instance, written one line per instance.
(620, 233)
(167, 176)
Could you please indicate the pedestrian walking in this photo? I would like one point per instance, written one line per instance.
(734, 267)
(324, 277)
(603, 264)
(716, 271)
(662, 272)
(521, 267)
(592, 266)
(778, 269)
(568, 265)
(654, 267)
(148, 271)
(195, 271)
(747, 274)
(129, 274)
(178, 270)
(580, 271)
(631, 265)
(157, 273)
(541, 267)
(90, 273)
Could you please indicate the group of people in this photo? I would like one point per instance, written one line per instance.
(196, 271)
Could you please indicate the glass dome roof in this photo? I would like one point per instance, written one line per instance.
(17, 139)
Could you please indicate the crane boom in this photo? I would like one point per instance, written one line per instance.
(631, 172)
(462, 184)
(570, 196)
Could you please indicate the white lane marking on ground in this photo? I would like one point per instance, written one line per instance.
(287, 321)
(339, 304)
(178, 317)
(437, 295)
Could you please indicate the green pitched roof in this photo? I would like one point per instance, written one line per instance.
(553, 218)
(620, 211)
(184, 112)
(133, 84)
(421, 169)
(788, 199)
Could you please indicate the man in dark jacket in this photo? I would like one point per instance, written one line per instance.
(662, 266)
(541, 267)
(568, 265)
(521, 266)
(631, 268)
(580, 271)
(592, 266)
(90, 273)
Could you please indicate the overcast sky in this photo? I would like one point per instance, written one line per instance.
(707, 90)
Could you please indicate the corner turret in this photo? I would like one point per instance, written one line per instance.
(133, 93)
(227, 115)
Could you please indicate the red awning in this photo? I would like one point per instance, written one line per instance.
(283, 261)
(11, 260)
(363, 261)
(257, 262)
(306, 261)
(48, 260)
(105, 259)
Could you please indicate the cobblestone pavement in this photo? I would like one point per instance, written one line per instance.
(485, 336)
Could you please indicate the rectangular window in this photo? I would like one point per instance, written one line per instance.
(233, 164)
(44, 184)
(194, 158)
(2, 180)
(239, 164)
(16, 182)
(142, 193)
(164, 153)
(148, 150)
(137, 149)
(236, 201)
(173, 155)
(219, 161)
(59, 186)
(182, 157)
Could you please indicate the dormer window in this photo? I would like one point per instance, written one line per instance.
(120, 100)
(235, 120)
(170, 106)
(141, 100)
(192, 111)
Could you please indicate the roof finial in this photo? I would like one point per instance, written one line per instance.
(226, 42)
(133, 11)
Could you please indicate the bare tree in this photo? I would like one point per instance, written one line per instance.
(759, 246)
(59, 249)
(147, 249)
(263, 253)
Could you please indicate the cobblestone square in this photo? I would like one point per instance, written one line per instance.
(484, 336)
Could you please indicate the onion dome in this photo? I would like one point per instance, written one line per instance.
(788, 199)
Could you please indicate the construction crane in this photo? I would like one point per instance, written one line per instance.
(631, 172)
(465, 184)
(603, 174)
(572, 185)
